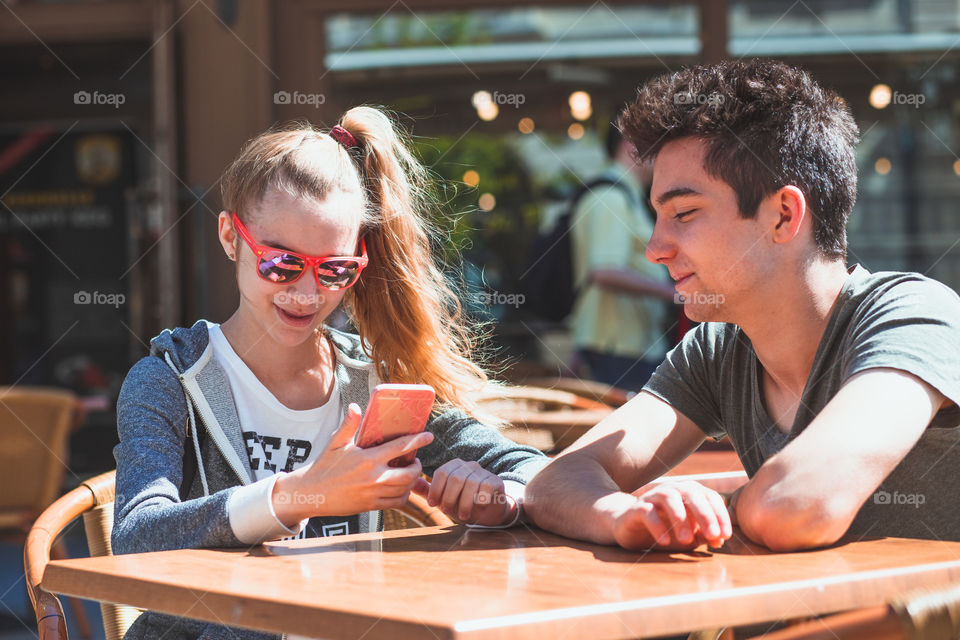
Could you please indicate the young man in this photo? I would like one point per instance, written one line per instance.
(838, 387)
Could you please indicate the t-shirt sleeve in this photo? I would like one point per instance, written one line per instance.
(689, 380)
(914, 326)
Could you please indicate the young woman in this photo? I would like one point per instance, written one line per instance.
(243, 432)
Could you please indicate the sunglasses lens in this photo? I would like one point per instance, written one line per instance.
(337, 274)
(280, 267)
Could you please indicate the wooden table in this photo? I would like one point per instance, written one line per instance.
(520, 583)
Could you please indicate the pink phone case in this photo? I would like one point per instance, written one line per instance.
(396, 410)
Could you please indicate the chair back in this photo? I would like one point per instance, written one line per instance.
(926, 613)
(549, 419)
(34, 425)
(98, 525)
(416, 513)
(598, 391)
(94, 501)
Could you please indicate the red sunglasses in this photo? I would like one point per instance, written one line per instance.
(285, 267)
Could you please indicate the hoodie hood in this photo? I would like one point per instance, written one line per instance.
(183, 345)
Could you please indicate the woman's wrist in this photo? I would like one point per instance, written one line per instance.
(285, 499)
(514, 511)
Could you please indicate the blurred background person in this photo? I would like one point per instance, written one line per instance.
(620, 319)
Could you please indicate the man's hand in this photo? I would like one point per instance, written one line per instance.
(674, 515)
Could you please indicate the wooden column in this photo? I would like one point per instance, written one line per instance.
(228, 79)
(165, 163)
(714, 30)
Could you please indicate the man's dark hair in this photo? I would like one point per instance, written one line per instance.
(765, 125)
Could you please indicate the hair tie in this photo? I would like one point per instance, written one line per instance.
(344, 137)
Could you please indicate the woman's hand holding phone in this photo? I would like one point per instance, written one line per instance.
(471, 494)
(346, 479)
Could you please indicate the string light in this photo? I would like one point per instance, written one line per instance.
(486, 108)
(487, 202)
(580, 105)
(880, 96)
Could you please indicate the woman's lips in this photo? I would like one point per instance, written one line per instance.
(294, 320)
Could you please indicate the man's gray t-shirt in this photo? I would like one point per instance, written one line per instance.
(896, 320)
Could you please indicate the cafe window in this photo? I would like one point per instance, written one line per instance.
(402, 38)
(63, 255)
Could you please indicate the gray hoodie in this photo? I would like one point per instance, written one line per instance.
(179, 396)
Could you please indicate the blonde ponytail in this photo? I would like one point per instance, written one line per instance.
(402, 306)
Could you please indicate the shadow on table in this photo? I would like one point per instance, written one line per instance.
(461, 538)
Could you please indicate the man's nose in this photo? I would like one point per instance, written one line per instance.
(660, 247)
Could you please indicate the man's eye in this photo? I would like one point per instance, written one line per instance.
(683, 214)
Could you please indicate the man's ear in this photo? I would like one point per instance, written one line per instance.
(227, 234)
(789, 209)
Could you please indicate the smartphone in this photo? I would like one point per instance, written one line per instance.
(396, 410)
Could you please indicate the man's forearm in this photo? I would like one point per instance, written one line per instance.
(575, 497)
(809, 493)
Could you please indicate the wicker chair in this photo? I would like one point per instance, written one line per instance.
(597, 391)
(35, 424)
(928, 614)
(549, 419)
(94, 501)
(416, 513)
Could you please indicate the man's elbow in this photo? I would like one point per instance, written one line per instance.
(786, 525)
